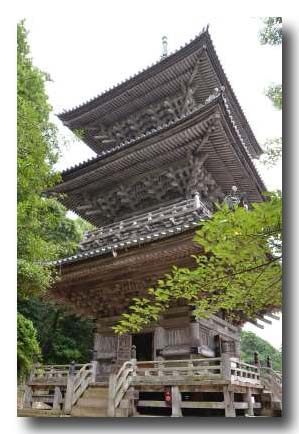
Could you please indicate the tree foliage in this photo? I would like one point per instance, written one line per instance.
(250, 343)
(272, 152)
(238, 272)
(37, 153)
(271, 33)
(44, 231)
(62, 338)
(274, 92)
(28, 349)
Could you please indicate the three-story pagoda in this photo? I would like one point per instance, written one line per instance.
(170, 142)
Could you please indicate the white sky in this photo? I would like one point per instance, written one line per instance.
(88, 49)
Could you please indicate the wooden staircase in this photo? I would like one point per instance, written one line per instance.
(93, 402)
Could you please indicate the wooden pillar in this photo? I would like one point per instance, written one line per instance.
(229, 402)
(226, 366)
(27, 403)
(57, 398)
(68, 400)
(111, 395)
(131, 397)
(237, 348)
(176, 402)
(159, 340)
(195, 334)
(248, 398)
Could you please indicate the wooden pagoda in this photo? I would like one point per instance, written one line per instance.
(170, 142)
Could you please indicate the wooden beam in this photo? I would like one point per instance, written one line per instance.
(249, 402)
(176, 402)
(271, 315)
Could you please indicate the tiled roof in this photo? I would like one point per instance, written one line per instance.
(164, 222)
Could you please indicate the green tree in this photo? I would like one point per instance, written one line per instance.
(37, 154)
(28, 348)
(238, 272)
(44, 231)
(62, 338)
(250, 343)
(271, 34)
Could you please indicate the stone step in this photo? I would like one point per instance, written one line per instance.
(92, 402)
(33, 412)
(88, 412)
(96, 392)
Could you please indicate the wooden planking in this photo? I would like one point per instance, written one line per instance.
(179, 380)
(183, 404)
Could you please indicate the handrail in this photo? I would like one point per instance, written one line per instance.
(81, 381)
(244, 372)
(119, 384)
(169, 362)
(272, 381)
(185, 367)
(50, 372)
(275, 374)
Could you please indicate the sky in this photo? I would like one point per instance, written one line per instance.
(88, 51)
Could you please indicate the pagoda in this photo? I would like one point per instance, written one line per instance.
(170, 142)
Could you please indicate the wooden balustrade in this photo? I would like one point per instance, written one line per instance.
(50, 374)
(243, 372)
(73, 379)
(169, 368)
(76, 378)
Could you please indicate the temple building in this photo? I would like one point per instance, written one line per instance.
(170, 142)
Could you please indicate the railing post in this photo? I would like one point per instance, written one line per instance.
(32, 372)
(57, 398)
(27, 402)
(94, 363)
(256, 359)
(133, 352)
(133, 360)
(69, 389)
(111, 395)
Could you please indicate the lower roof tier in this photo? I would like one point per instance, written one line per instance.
(104, 286)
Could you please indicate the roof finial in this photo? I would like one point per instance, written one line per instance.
(164, 47)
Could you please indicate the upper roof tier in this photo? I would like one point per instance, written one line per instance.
(160, 93)
(202, 151)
